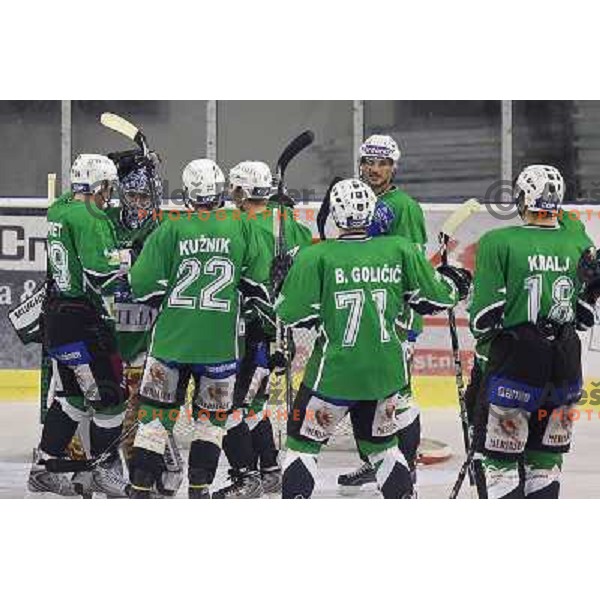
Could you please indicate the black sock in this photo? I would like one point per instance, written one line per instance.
(237, 446)
(145, 467)
(263, 444)
(58, 430)
(102, 437)
(203, 462)
(408, 442)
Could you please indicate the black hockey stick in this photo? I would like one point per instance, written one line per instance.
(282, 261)
(67, 465)
(325, 209)
(448, 229)
(458, 373)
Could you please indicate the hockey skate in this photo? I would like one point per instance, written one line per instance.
(107, 478)
(198, 493)
(271, 480)
(243, 485)
(82, 482)
(43, 481)
(355, 480)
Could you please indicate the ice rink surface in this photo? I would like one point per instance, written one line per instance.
(19, 431)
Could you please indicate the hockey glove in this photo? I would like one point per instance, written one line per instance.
(280, 199)
(588, 272)
(460, 277)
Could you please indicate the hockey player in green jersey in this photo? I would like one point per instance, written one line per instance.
(396, 213)
(197, 263)
(79, 334)
(354, 287)
(528, 300)
(250, 188)
(134, 220)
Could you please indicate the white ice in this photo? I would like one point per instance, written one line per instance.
(20, 429)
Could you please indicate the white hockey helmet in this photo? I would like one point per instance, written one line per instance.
(254, 177)
(539, 188)
(352, 204)
(380, 146)
(90, 172)
(203, 183)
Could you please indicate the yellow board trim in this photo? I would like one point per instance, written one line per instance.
(430, 391)
(19, 385)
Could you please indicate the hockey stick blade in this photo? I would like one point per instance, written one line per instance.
(294, 148)
(124, 127)
(459, 216)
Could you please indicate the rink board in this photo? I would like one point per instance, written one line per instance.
(22, 260)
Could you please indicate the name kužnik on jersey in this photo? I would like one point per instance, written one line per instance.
(191, 246)
(383, 274)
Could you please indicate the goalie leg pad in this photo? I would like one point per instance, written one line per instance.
(503, 479)
(299, 473)
(542, 474)
(392, 473)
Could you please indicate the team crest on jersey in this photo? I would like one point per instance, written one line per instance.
(385, 421)
(157, 373)
(324, 417)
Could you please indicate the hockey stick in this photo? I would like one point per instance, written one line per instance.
(447, 232)
(124, 127)
(325, 208)
(283, 334)
(66, 465)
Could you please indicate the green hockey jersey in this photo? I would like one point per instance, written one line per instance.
(199, 265)
(397, 213)
(524, 273)
(83, 256)
(296, 234)
(133, 320)
(354, 287)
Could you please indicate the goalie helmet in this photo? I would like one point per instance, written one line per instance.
(203, 184)
(141, 193)
(253, 177)
(380, 146)
(90, 172)
(539, 188)
(352, 204)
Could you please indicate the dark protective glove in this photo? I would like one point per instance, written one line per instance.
(282, 199)
(123, 293)
(461, 278)
(588, 272)
(278, 362)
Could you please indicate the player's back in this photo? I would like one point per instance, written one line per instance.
(361, 293)
(530, 271)
(197, 262)
(82, 248)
